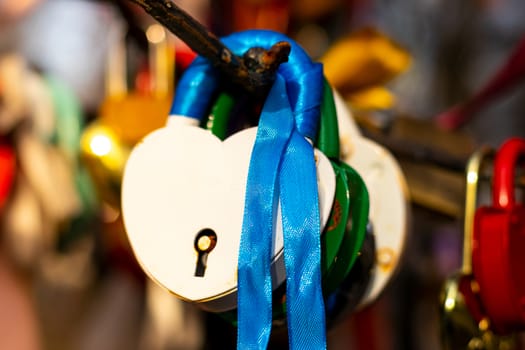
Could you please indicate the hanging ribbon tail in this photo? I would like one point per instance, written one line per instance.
(302, 252)
(254, 298)
(301, 218)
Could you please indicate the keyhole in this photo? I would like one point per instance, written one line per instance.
(205, 241)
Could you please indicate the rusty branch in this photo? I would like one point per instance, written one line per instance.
(254, 72)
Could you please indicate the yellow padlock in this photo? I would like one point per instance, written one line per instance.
(131, 115)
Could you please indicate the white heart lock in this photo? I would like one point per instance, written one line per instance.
(388, 191)
(181, 180)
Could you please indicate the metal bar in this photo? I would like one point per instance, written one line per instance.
(255, 77)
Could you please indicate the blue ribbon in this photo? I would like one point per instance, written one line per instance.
(254, 296)
(281, 157)
(302, 245)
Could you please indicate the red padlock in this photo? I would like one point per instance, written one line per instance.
(498, 259)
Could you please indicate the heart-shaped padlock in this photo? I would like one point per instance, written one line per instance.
(345, 231)
(498, 243)
(342, 239)
(184, 215)
(202, 220)
(389, 198)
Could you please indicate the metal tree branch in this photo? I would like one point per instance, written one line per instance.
(254, 72)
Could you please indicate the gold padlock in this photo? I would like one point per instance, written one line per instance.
(125, 117)
(134, 114)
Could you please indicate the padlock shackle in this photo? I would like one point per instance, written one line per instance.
(327, 140)
(472, 175)
(161, 61)
(504, 171)
(116, 64)
(328, 134)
